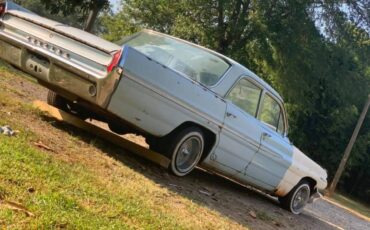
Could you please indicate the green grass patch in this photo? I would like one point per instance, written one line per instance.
(73, 194)
(7, 69)
(65, 194)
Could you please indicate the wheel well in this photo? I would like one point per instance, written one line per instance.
(209, 136)
(311, 182)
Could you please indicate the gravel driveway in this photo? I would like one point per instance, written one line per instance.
(336, 216)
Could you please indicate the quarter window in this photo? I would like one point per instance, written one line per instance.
(246, 96)
(272, 115)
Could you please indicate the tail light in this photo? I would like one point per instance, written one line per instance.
(2, 9)
(115, 61)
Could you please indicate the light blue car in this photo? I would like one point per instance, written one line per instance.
(195, 106)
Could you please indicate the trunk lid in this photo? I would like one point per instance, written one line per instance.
(74, 33)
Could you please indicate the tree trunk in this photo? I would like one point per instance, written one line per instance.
(348, 150)
(93, 14)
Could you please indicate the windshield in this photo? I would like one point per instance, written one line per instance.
(192, 61)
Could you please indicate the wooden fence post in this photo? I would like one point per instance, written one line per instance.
(348, 150)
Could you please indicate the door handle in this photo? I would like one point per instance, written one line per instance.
(266, 135)
(230, 115)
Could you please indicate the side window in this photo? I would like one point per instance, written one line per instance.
(272, 115)
(246, 96)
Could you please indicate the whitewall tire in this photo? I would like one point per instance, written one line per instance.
(186, 151)
(296, 200)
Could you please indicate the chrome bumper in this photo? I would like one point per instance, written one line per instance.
(57, 74)
(315, 196)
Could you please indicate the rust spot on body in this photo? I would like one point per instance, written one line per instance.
(280, 192)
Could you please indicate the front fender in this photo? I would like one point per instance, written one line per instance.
(302, 167)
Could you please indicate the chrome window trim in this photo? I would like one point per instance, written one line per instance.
(282, 109)
(247, 78)
(264, 92)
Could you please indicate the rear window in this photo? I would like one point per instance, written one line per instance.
(194, 62)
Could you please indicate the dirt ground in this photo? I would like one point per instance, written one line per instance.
(243, 205)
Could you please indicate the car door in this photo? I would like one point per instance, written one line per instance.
(240, 135)
(274, 157)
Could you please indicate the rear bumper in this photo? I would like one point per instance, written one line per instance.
(56, 73)
(316, 195)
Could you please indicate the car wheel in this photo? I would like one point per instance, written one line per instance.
(57, 101)
(64, 104)
(185, 151)
(118, 129)
(297, 198)
(154, 143)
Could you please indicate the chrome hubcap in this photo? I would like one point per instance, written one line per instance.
(301, 198)
(188, 153)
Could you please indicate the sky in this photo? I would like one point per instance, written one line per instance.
(115, 4)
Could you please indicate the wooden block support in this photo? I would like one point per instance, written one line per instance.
(102, 133)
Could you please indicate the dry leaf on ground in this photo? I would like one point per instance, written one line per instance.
(43, 146)
(16, 207)
(253, 214)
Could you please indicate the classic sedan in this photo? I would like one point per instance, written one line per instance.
(195, 106)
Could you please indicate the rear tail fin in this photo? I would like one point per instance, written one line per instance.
(115, 60)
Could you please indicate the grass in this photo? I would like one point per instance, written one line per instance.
(351, 204)
(67, 194)
(93, 191)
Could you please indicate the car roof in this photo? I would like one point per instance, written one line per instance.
(262, 82)
(232, 62)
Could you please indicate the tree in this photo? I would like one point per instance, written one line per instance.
(348, 150)
(40, 8)
(89, 9)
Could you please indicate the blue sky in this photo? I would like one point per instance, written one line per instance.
(115, 4)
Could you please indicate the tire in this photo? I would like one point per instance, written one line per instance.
(64, 104)
(57, 101)
(296, 200)
(185, 150)
(118, 129)
(155, 144)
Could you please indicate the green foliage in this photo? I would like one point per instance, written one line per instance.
(75, 19)
(88, 10)
(69, 12)
(68, 7)
(117, 26)
(314, 52)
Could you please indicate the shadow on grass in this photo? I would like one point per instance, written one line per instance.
(230, 199)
